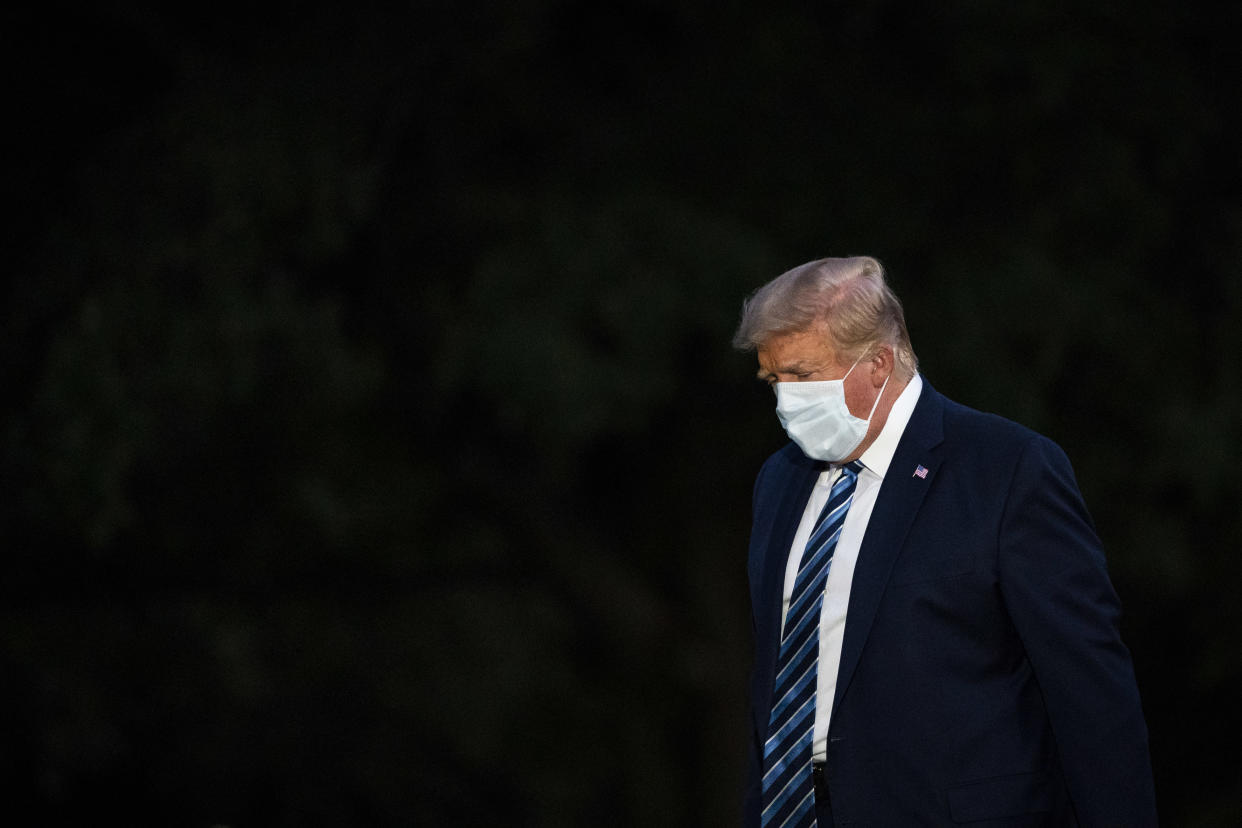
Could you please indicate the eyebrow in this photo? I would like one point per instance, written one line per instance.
(794, 368)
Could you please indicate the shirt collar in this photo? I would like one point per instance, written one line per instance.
(879, 454)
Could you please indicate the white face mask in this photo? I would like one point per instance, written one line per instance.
(815, 416)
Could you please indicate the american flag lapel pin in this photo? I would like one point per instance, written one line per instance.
(920, 472)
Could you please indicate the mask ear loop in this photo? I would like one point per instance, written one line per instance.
(875, 404)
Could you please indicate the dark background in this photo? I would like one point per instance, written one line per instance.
(372, 448)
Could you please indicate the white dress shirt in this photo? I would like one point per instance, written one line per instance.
(875, 460)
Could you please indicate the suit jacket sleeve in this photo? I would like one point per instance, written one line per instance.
(1056, 587)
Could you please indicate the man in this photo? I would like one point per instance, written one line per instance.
(936, 634)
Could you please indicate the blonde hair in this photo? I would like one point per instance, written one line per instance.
(849, 295)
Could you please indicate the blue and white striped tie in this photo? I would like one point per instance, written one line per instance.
(788, 790)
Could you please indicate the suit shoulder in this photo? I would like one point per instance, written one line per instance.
(992, 432)
(779, 465)
(787, 459)
(788, 456)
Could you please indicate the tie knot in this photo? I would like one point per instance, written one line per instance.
(854, 467)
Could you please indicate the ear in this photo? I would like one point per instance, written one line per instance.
(882, 365)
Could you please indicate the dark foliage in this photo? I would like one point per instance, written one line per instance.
(373, 450)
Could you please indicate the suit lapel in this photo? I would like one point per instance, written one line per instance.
(900, 497)
(795, 492)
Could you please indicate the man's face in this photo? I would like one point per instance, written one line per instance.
(808, 356)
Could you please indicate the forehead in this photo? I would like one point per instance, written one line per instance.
(811, 347)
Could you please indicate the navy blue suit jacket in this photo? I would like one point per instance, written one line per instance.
(982, 676)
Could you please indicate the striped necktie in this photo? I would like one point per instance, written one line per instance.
(788, 789)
